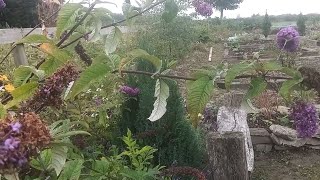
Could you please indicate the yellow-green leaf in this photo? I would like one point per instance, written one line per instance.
(22, 93)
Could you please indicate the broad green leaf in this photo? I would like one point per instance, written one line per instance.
(51, 65)
(287, 87)
(271, 66)
(3, 111)
(43, 161)
(90, 75)
(23, 73)
(67, 16)
(295, 74)
(141, 54)
(236, 70)
(199, 73)
(95, 35)
(112, 40)
(257, 86)
(52, 50)
(74, 36)
(35, 38)
(72, 170)
(171, 10)
(199, 93)
(59, 157)
(160, 105)
(22, 93)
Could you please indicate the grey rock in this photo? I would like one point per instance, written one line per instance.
(313, 142)
(284, 132)
(259, 132)
(296, 143)
(314, 147)
(261, 140)
(282, 148)
(263, 148)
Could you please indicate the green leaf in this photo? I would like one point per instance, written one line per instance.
(67, 17)
(35, 38)
(23, 73)
(171, 11)
(59, 157)
(142, 54)
(271, 66)
(14, 176)
(43, 161)
(257, 86)
(199, 93)
(199, 73)
(95, 35)
(92, 74)
(112, 40)
(22, 93)
(51, 65)
(234, 71)
(52, 50)
(3, 111)
(295, 74)
(72, 170)
(287, 87)
(160, 105)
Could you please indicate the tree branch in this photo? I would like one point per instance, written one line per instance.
(115, 23)
(190, 78)
(76, 25)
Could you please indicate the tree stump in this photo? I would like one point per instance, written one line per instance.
(227, 156)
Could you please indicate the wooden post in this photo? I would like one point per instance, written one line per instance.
(227, 156)
(210, 55)
(19, 55)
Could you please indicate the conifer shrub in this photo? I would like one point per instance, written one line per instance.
(178, 143)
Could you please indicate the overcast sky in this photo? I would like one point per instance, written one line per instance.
(249, 7)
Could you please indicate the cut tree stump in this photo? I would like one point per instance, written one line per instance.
(227, 156)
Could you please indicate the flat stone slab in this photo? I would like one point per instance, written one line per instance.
(299, 142)
(284, 132)
(265, 148)
(261, 140)
(313, 142)
(259, 132)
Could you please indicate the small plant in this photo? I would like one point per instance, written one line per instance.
(266, 25)
(301, 23)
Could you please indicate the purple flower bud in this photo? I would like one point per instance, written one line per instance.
(16, 127)
(11, 143)
(288, 39)
(130, 90)
(305, 118)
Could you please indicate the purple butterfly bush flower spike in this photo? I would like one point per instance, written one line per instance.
(16, 127)
(203, 8)
(288, 39)
(2, 4)
(11, 143)
(306, 119)
(131, 91)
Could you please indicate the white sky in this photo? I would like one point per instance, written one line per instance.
(249, 7)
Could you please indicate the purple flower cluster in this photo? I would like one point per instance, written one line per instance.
(305, 118)
(11, 156)
(131, 91)
(203, 8)
(2, 4)
(288, 39)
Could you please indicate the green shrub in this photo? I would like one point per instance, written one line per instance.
(301, 23)
(266, 25)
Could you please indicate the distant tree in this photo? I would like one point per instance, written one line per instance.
(266, 25)
(222, 5)
(20, 13)
(301, 23)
